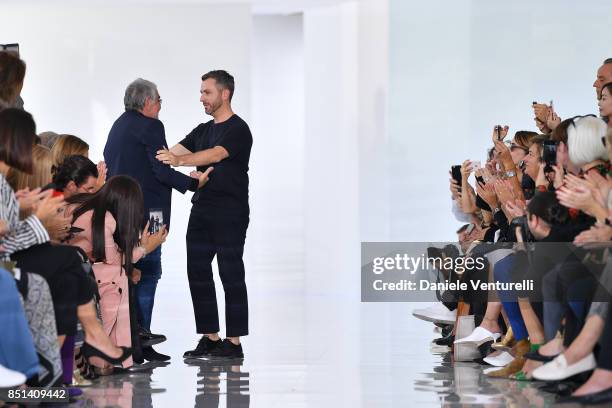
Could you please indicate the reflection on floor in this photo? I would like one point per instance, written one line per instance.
(226, 384)
(312, 344)
(219, 383)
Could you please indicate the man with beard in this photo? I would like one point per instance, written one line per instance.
(219, 217)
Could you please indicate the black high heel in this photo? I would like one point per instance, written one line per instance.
(90, 351)
(84, 367)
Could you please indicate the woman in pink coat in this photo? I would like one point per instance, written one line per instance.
(111, 220)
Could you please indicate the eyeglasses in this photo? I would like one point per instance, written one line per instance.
(516, 146)
(159, 99)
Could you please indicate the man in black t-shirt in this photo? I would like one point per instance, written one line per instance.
(219, 216)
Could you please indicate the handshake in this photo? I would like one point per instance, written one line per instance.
(168, 157)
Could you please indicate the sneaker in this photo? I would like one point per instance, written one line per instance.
(204, 347)
(437, 313)
(10, 378)
(227, 350)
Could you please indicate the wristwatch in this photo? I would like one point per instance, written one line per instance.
(510, 173)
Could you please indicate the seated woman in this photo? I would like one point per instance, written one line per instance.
(40, 175)
(27, 242)
(111, 220)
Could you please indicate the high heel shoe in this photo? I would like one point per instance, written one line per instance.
(506, 342)
(83, 367)
(90, 351)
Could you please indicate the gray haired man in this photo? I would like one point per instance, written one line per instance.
(130, 150)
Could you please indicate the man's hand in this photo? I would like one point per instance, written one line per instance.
(201, 176)
(136, 275)
(167, 157)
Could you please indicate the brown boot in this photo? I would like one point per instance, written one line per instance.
(519, 350)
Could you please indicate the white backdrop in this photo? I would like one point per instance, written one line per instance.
(80, 60)
(459, 68)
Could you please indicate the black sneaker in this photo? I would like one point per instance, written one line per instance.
(205, 346)
(227, 350)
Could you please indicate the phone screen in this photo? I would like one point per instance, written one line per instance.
(549, 153)
(156, 220)
(456, 172)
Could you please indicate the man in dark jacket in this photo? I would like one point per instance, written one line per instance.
(130, 150)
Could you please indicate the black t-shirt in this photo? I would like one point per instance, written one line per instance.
(227, 191)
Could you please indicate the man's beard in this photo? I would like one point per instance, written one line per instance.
(213, 108)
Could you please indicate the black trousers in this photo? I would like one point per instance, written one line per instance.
(210, 234)
(62, 268)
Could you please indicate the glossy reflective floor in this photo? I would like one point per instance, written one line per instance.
(312, 343)
(299, 365)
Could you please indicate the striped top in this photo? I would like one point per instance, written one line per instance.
(22, 233)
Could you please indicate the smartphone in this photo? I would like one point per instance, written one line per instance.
(470, 228)
(433, 252)
(156, 220)
(549, 152)
(456, 172)
(498, 130)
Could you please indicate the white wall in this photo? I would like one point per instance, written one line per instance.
(458, 68)
(80, 59)
(277, 158)
(331, 145)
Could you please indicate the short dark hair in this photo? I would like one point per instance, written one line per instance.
(546, 206)
(223, 78)
(75, 168)
(607, 61)
(17, 136)
(12, 72)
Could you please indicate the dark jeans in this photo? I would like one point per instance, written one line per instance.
(221, 235)
(151, 269)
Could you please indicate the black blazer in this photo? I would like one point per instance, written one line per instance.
(130, 150)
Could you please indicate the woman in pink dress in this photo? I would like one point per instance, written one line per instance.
(111, 220)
